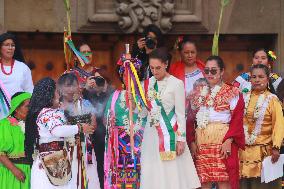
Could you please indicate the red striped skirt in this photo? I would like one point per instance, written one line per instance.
(209, 163)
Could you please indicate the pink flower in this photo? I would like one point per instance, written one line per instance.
(13, 121)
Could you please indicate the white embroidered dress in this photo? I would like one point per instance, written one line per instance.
(52, 127)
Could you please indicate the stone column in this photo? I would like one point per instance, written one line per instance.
(2, 26)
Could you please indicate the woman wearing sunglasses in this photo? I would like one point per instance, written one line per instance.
(260, 56)
(218, 111)
(263, 127)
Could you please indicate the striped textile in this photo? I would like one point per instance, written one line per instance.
(209, 164)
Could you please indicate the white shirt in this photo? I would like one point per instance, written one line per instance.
(20, 79)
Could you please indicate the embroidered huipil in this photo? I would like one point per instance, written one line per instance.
(271, 135)
(52, 126)
(122, 169)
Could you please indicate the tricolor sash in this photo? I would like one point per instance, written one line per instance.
(166, 130)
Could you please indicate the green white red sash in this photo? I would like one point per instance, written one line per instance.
(166, 129)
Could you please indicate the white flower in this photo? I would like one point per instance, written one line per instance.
(258, 105)
(210, 102)
(22, 125)
(155, 115)
(202, 118)
(204, 91)
(259, 112)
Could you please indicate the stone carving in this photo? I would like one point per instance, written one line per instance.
(135, 15)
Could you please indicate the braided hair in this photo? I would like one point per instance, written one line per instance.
(42, 97)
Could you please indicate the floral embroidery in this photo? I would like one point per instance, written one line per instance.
(50, 118)
(202, 116)
(125, 118)
(219, 98)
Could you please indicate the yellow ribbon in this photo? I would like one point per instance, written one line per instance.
(138, 83)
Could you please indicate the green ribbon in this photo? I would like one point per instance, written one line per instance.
(167, 121)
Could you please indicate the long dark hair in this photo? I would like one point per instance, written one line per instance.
(267, 73)
(280, 91)
(42, 97)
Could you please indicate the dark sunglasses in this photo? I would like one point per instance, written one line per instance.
(212, 71)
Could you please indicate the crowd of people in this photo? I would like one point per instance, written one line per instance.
(194, 131)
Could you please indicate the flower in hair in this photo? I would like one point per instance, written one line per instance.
(272, 55)
(178, 41)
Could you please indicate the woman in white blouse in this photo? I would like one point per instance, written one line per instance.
(15, 75)
(165, 158)
(47, 131)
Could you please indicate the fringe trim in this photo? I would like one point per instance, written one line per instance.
(214, 133)
(167, 156)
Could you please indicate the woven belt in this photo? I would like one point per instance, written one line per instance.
(51, 146)
(22, 160)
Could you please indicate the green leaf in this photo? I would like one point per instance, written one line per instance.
(215, 47)
(225, 2)
(67, 4)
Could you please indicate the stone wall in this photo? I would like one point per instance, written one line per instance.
(200, 17)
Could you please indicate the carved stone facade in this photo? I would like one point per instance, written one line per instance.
(135, 15)
(128, 16)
